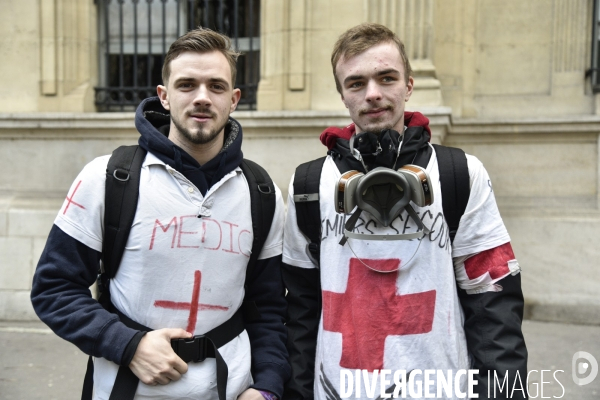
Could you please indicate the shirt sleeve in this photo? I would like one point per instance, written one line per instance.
(482, 253)
(295, 244)
(274, 243)
(82, 213)
(481, 227)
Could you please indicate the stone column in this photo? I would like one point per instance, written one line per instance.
(412, 21)
(284, 60)
(67, 56)
(297, 38)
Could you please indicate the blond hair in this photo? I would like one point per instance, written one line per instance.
(362, 37)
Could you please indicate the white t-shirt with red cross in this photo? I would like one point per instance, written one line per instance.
(178, 270)
(409, 318)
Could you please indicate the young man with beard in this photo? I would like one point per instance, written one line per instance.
(183, 271)
(373, 305)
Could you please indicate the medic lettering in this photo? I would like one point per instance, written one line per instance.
(190, 232)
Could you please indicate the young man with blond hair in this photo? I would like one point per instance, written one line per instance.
(182, 279)
(370, 317)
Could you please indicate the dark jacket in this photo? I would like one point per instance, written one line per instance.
(67, 268)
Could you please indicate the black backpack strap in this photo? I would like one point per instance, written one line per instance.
(120, 204)
(121, 198)
(455, 184)
(196, 349)
(262, 206)
(308, 210)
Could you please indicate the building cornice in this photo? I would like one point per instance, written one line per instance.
(108, 126)
(579, 127)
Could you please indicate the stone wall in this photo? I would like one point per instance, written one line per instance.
(503, 80)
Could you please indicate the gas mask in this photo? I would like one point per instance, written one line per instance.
(383, 192)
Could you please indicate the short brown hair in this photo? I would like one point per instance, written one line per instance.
(362, 37)
(201, 40)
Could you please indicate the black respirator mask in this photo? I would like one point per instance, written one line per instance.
(384, 191)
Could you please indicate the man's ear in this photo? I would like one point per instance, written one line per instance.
(409, 88)
(236, 95)
(163, 96)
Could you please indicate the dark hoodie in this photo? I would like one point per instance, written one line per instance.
(153, 121)
(67, 268)
(415, 148)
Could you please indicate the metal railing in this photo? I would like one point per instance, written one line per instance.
(594, 71)
(134, 36)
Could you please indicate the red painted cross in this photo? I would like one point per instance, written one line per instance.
(370, 311)
(194, 306)
(70, 199)
(495, 261)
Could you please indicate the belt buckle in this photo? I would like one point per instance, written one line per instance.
(194, 349)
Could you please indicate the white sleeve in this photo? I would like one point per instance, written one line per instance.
(481, 226)
(482, 253)
(295, 244)
(274, 242)
(82, 213)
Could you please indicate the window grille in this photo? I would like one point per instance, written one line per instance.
(134, 36)
(594, 71)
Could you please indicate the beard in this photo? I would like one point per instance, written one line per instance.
(376, 125)
(203, 135)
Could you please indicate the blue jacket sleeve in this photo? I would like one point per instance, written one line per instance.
(267, 333)
(62, 299)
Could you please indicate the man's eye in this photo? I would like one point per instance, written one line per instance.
(388, 79)
(355, 85)
(185, 85)
(218, 87)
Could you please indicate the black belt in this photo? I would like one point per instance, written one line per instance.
(195, 349)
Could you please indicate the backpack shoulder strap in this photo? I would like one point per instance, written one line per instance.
(262, 206)
(308, 210)
(455, 184)
(120, 204)
(121, 199)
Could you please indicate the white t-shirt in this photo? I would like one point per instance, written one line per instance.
(406, 319)
(178, 270)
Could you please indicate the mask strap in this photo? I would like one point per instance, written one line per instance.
(349, 227)
(355, 152)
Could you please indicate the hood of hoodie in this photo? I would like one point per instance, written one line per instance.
(415, 143)
(153, 121)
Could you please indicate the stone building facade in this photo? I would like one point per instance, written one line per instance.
(506, 81)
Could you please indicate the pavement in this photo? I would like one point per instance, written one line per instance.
(36, 364)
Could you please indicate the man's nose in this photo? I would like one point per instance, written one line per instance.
(202, 96)
(373, 91)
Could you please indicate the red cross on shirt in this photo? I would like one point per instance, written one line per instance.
(370, 311)
(70, 199)
(194, 306)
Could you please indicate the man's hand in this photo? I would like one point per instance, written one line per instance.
(251, 394)
(154, 361)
